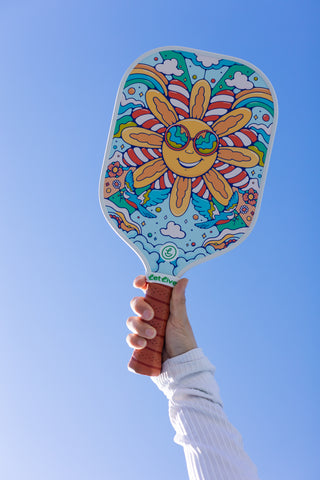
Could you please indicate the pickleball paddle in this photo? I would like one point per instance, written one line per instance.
(185, 167)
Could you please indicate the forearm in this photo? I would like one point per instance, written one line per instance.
(213, 447)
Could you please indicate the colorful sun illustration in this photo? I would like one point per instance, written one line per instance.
(185, 144)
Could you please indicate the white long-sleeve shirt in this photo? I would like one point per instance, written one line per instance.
(213, 447)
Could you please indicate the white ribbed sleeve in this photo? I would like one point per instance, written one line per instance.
(213, 447)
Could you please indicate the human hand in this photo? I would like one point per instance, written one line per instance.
(179, 336)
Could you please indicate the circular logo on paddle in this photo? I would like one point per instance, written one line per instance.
(169, 252)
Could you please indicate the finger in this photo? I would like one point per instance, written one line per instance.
(178, 298)
(141, 328)
(140, 282)
(134, 341)
(142, 308)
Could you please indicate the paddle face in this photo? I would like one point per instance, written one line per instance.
(187, 157)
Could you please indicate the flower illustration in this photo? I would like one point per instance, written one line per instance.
(116, 184)
(115, 169)
(244, 209)
(251, 197)
(190, 142)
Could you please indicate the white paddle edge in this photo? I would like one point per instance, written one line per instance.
(149, 274)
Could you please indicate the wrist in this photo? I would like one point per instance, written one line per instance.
(180, 348)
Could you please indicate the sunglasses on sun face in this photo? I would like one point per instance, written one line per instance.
(177, 137)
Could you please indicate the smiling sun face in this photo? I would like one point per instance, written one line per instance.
(190, 147)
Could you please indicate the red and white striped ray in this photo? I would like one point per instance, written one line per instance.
(165, 181)
(199, 187)
(242, 138)
(145, 118)
(236, 176)
(138, 156)
(179, 98)
(219, 105)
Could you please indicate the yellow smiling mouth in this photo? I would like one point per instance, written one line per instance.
(188, 165)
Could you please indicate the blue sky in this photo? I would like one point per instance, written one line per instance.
(68, 406)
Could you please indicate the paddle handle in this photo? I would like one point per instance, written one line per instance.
(148, 361)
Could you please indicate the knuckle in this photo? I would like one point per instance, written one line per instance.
(132, 324)
(182, 300)
(130, 339)
(129, 322)
(138, 305)
(140, 281)
(135, 341)
(140, 328)
(133, 301)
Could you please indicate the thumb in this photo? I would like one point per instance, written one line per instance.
(178, 300)
(179, 335)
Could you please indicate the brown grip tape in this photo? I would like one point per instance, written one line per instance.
(148, 361)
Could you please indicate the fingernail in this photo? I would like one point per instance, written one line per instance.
(151, 333)
(147, 315)
(141, 342)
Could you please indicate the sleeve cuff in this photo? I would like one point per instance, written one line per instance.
(191, 370)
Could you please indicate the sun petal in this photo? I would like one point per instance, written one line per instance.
(149, 172)
(161, 107)
(200, 98)
(180, 196)
(140, 137)
(232, 122)
(218, 186)
(240, 157)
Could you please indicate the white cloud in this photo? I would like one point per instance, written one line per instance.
(173, 230)
(240, 81)
(207, 61)
(254, 183)
(169, 67)
(263, 127)
(116, 157)
(126, 101)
